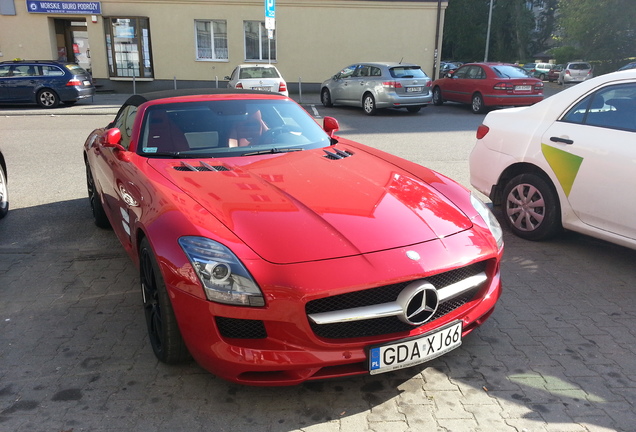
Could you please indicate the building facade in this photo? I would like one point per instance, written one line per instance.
(146, 45)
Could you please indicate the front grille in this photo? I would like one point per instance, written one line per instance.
(241, 329)
(386, 294)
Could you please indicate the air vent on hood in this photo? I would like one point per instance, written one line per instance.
(339, 154)
(202, 167)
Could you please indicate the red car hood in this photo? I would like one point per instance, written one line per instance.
(304, 206)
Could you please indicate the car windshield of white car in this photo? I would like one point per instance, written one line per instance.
(407, 72)
(225, 128)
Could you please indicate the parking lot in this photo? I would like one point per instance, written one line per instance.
(558, 354)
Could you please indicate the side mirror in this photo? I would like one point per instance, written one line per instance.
(330, 125)
(227, 78)
(112, 139)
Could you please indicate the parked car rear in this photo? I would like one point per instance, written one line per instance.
(553, 74)
(378, 85)
(485, 85)
(44, 82)
(575, 72)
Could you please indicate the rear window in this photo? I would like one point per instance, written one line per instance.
(75, 69)
(407, 72)
(258, 72)
(509, 71)
(579, 66)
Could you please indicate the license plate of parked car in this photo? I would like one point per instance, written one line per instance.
(262, 88)
(523, 88)
(414, 89)
(406, 353)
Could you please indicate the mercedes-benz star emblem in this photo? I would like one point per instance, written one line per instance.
(419, 302)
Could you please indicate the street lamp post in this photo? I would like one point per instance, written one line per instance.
(488, 34)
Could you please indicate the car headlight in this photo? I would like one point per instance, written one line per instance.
(223, 276)
(489, 218)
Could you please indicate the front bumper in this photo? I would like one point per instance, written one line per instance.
(277, 344)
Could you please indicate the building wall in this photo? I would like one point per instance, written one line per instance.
(315, 38)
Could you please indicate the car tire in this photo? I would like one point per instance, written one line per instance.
(163, 330)
(542, 77)
(325, 98)
(477, 104)
(531, 207)
(4, 193)
(99, 215)
(47, 98)
(437, 96)
(414, 109)
(368, 104)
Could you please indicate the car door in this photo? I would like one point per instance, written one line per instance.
(592, 151)
(116, 175)
(455, 87)
(4, 82)
(341, 91)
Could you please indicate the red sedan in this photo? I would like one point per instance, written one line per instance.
(484, 85)
(274, 252)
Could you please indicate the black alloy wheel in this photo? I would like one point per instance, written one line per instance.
(163, 330)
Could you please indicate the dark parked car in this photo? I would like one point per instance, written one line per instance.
(553, 74)
(44, 82)
(631, 65)
(4, 191)
(484, 85)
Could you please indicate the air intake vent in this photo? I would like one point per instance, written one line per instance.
(202, 167)
(337, 154)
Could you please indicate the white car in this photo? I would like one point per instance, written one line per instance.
(566, 162)
(257, 77)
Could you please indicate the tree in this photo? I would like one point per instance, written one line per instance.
(512, 35)
(602, 29)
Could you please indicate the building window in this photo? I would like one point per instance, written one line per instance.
(258, 46)
(128, 47)
(211, 39)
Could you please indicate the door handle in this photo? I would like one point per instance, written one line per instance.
(561, 140)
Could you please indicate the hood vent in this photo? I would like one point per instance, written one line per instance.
(204, 166)
(339, 154)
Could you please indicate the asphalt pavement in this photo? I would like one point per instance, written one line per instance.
(557, 355)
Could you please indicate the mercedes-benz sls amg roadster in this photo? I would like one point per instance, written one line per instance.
(273, 252)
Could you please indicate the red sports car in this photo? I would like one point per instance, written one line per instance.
(274, 252)
(484, 85)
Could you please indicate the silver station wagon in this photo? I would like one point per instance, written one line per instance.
(378, 85)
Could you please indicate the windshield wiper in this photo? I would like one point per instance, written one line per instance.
(272, 150)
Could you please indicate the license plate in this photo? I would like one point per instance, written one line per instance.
(261, 88)
(86, 83)
(523, 88)
(413, 89)
(410, 352)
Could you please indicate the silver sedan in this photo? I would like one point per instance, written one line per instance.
(378, 85)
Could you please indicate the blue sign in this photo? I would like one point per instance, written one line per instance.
(64, 7)
(270, 8)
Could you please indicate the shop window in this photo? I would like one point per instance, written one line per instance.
(128, 47)
(258, 46)
(211, 38)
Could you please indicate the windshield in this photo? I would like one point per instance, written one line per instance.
(509, 71)
(228, 128)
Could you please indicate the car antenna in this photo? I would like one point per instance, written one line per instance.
(401, 60)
